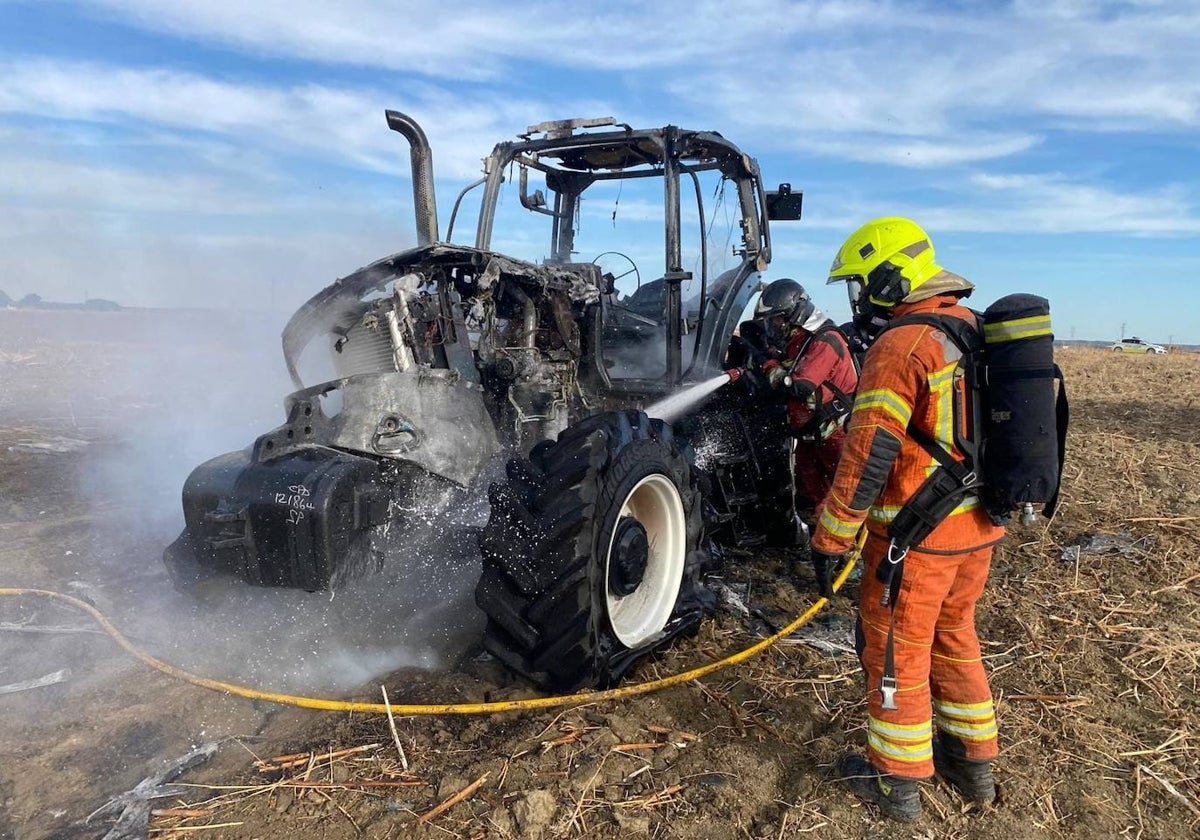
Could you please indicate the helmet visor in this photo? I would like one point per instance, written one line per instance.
(856, 294)
(775, 326)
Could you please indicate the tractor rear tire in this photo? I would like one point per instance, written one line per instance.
(592, 554)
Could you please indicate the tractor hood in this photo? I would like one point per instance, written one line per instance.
(337, 307)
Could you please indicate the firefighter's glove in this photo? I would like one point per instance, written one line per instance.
(752, 382)
(823, 566)
(775, 372)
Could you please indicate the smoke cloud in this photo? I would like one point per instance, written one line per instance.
(132, 401)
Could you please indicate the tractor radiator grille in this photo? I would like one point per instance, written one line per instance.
(365, 350)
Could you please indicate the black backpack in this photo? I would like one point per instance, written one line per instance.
(1012, 428)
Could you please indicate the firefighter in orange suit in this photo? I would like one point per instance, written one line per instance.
(930, 705)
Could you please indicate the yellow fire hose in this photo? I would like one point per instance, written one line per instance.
(447, 708)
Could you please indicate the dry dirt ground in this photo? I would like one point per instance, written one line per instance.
(1091, 626)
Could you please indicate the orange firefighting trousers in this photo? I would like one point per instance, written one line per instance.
(939, 674)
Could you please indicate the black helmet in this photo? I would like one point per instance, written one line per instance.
(784, 297)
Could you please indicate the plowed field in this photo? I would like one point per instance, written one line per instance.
(1091, 626)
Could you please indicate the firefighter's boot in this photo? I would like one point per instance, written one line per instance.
(800, 541)
(972, 779)
(897, 798)
(803, 536)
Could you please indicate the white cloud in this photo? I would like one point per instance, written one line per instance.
(854, 62)
(337, 125)
(1026, 204)
(478, 39)
(1056, 203)
(62, 254)
(899, 83)
(35, 183)
(919, 153)
(420, 36)
(303, 117)
(955, 88)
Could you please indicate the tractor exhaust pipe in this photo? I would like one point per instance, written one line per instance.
(424, 200)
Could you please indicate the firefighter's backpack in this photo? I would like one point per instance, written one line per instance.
(1012, 427)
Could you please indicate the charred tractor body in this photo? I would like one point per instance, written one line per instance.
(444, 357)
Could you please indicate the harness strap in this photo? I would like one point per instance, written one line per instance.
(1062, 416)
(841, 403)
(891, 574)
(963, 473)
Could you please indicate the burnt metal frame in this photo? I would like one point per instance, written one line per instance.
(679, 152)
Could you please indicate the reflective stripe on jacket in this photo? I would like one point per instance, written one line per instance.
(909, 377)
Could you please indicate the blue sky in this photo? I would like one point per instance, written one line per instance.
(235, 153)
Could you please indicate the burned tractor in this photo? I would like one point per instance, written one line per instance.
(609, 267)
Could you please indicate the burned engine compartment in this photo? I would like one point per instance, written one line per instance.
(443, 357)
(444, 338)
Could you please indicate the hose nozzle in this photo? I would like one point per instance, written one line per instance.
(735, 374)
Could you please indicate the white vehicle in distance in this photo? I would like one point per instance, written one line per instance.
(1137, 345)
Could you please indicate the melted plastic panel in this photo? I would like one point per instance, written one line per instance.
(429, 419)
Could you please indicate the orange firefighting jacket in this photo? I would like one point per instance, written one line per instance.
(910, 376)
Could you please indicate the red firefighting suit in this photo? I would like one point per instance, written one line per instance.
(909, 377)
(822, 377)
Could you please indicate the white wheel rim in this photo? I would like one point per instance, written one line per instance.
(641, 615)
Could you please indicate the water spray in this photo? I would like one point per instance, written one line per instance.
(669, 409)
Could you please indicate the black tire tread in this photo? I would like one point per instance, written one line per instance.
(542, 588)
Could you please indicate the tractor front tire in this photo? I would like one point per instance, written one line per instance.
(592, 555)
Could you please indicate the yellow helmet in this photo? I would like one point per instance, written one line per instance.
(884, 262)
